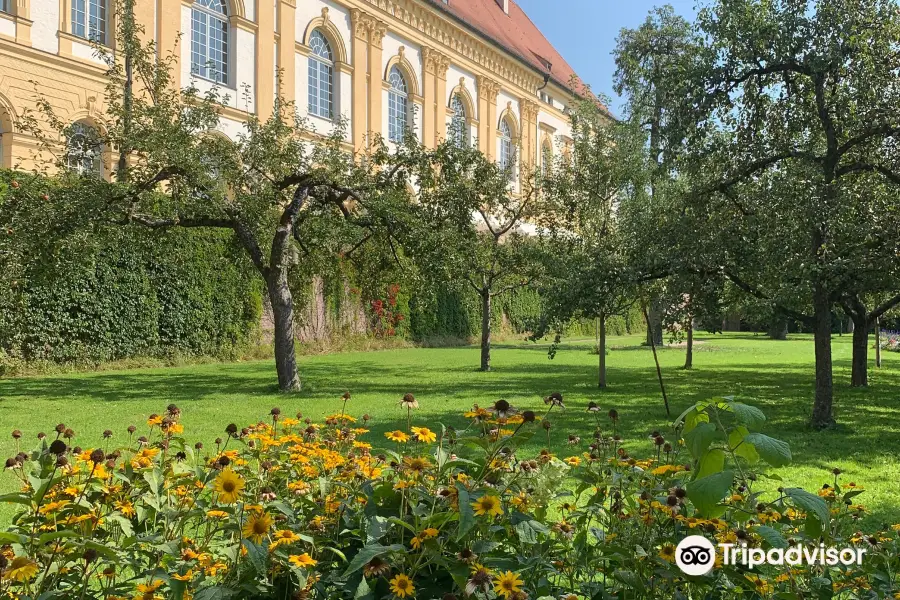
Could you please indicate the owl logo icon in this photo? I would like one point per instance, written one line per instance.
(695, 555)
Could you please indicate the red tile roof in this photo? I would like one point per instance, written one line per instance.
(514, 32)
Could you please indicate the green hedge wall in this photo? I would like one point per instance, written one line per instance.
(455, 312)
(132, 293)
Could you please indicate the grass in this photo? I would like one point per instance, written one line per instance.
(775, 376)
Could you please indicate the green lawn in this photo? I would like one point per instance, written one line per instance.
(775, 376)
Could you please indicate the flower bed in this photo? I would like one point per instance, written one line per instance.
(890, 340)
(288, 508)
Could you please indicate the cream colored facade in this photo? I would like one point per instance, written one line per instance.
(440, 59)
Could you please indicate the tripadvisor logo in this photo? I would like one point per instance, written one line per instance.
(696, 555)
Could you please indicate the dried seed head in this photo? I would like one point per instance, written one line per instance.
(98, 456)
(58, 447)
(16, 434)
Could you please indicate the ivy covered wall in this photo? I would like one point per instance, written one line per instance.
(130, 292)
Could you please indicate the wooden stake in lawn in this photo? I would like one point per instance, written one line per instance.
(662, 386)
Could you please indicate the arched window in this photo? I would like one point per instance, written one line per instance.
(507, 151)
(459, 126)
(89, 20)
(209, 40)
(83, 150)
(398, 105)
(321, 76)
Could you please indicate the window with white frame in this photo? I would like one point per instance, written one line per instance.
(4, 6)
(89, 20)
(459, 125)
(507, 151)
(83, 150)
(398, 105)
(321, 76)
(209, 40)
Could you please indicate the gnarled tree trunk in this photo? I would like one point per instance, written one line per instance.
(485, 330)
(283, 316)
(778, 329)
(689, 354)
(654, 323)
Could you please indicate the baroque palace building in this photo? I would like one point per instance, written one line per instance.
(476, 69)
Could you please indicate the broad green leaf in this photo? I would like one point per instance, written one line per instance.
(775, 452)
(16, 498)
(257, 555)
(369, 552)
(466, 514)
(771, 536)
(682, 416)
(809, 502)
(529, 530)
(745, 450)
(694, 418)
(747, 415)
(123, 523)
(215, 593)
(699, 438)
(706, 493)
(712, 462)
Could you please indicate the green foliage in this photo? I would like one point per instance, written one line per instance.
(448, 312)
(279, 512)
(106, 292)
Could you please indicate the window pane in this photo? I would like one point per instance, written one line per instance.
(209, 42)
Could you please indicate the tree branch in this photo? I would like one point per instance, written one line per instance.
(746, 287)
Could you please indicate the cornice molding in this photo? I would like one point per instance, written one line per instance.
(441, 30)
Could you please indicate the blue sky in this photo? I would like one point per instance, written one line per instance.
(585, 32)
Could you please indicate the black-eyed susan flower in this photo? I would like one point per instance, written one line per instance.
(376, 567)
(257, 526)
(21, 568)
(283, 537)
(229, 486)
(304, 561)
(487, 505)
(667, 553)
(402, 586)
(424, 435)
(508, 583)
(397, 436)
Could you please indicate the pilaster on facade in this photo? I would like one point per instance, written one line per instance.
(360, 23)
(377, 31)
(287, 52)
(168, 28)
(529, 113)
(434, 122)
(265, 58)
(488, 91)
